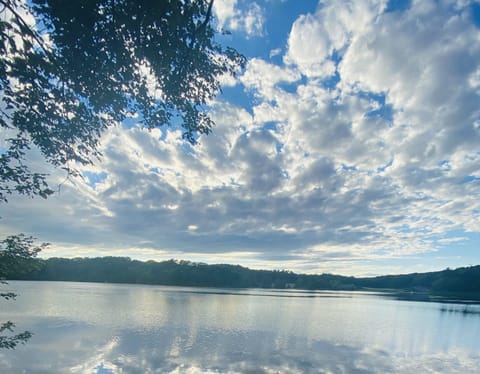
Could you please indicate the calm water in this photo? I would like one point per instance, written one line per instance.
(104, 328)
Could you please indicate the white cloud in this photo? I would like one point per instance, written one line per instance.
(264, 77)
(278, 51)
(314, 37)
(309, 47)
(247, 17)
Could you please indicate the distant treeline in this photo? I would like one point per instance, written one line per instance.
(185, 273)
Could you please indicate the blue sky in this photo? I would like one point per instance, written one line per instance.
(350, 144)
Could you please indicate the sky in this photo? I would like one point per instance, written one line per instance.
(350, 144)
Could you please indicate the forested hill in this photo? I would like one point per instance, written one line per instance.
(185, 273)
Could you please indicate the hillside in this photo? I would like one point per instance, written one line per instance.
(185, 273)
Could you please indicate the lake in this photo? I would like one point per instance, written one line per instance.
(122, 328)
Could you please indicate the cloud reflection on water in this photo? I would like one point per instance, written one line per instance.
(323, 357)
(103, 329)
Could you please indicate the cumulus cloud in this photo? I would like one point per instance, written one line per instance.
(315, 37)
(247, 17)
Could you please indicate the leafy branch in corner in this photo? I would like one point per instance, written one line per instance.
(16, 256)
(94, 64)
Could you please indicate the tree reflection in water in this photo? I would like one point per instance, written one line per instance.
(103, 328)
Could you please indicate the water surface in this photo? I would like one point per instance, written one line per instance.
(105, 328)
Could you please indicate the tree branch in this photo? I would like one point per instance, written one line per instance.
(7, 5)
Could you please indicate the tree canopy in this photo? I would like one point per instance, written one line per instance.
(459, 282)
(16, 253)
(89, 64)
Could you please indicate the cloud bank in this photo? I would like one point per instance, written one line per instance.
(360, 144)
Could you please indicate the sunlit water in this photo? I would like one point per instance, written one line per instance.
(105, 328)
